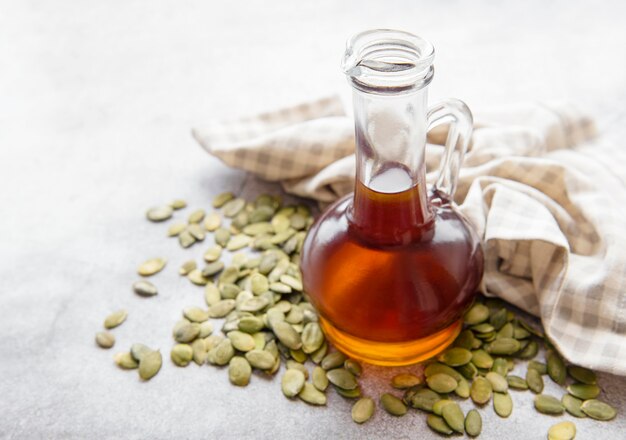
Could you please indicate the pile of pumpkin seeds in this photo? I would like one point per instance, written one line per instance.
(268, 321)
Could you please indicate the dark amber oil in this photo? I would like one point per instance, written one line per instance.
(391, 273)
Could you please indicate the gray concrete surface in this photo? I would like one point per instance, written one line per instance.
(96, 104)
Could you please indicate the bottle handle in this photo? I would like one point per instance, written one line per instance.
(458, 115)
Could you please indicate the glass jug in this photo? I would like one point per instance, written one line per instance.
(392, 267)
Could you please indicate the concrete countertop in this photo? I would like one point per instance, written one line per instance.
(97, 100)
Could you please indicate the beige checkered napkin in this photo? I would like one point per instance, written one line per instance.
(550, 208)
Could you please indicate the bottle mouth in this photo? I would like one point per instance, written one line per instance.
(386, 61)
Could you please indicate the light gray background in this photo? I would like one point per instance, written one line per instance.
(97, 99)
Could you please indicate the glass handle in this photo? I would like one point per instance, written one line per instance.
(458, 115)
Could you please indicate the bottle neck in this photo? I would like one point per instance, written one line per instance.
(390, 201)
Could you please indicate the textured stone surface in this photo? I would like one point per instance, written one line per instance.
(96, 104)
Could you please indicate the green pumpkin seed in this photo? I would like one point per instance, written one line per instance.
(462, 389)
(295, 315)
(583, 391)
(181, 354)
(480, 391)
(521, 333)
(212, 341)
(150, 365)
(229, 275)
(473, 423)
(105, 339)
(498, 382)
(242, 341)
(212, 222)
(151, 266)
(233, 207)
(502, 404)
(222, 353)
(186, 239)
(503, 346)
(312, 337)
(363, 410)
(483, 328)
(455, 357)
(441, 383)
(482, 359)
(320, 381)
(392, 404)
(405, 380)
(498, 319)
(436, 367)
(280, 288)
(212, 269)
(239, 371)
(353, 367)
(251, 324)
(178, 204)
(196, 217)
(534, 380)
(137, 351)
(342, 378)
(349, 394)
(125, 361)
(454, 417)
(598, 410)
(199, 351)
(231, 291)
(556, 368)
(468, 371)
(213, 254)
(438, 406)
(582, 375)
(465, 339)
(196, 277)
(187, 332)
(530, 351)
(222, 198)
(292, 282)
(562, 431)
(318, 355)
(288, 336)
(237, 242)
(507, 331)
(221, 236)
(292, 382)
(573, 405)
(196, 231)
(295, 365)
(259, 283)
(548, 405)
(312, 395)
(517, 383)
(539, 366)
(221, 308)
(176, 229)
(115, 319)
(195, 314)
(424, 399)
(187, 267)
(438, 424)
(211, 294)
(477, 314)
(260, 359)
(256, 304)
(259, 340)
(159, 214)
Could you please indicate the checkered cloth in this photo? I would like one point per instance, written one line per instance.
(547, 201)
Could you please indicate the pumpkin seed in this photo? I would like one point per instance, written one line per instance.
(260, 359)
(231, 291)
(363, 410)
(125, 361)
(312, 337)
(562, 431)
(392, 404)
(438, 406)
(438, 424)
(105, 339)
(187, 267)
(312, 395)
(455, 357)
(498, 319)
(199, 351)
(237, 242)
(454, 417)
(468, 371)
(115, 319)
(150, 365)
(424, 399)
(517, 382)
(436, 367)
(176, 229)
(582, 375)
(349, 394)
(196, 277)
(256, 304)
(221, 308)
(598, 410)
(151, 266)
(295, 365)
(222, 198)
(212, 269)
(480, 391)
(482, 359)
(187, 332)
(405, 380)
(530, 351)
(195, 314)
(498, 382)
(583, 391)
(221, 236)
(242, 341)
(503, 346)
(222, 353)
(181, 354)
(159, 214)
(483, 328)
(196, 231)
(318, 355)
(137, 351)
(441, 383)
(462, 389)
(211, 294)
(197, 216)
(233, 207)
(292, 282)
(572, 405)
(251, 324)
(178, 204)
(239, 371)
(473, 423)
(292, 382)
(556, 368)
(507, 331)
(548, 405)
(342, 378)
(288, 336)
(212, 341)
(229, 275)
(539, 366)
(186, 239)
(502, 404)
(353, 367)
(320, 381)
(476, 314)
(280, 288)
(212, 222)
(534, 380)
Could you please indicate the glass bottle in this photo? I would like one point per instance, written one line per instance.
(392, 267)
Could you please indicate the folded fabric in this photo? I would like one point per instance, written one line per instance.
(547, 201)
